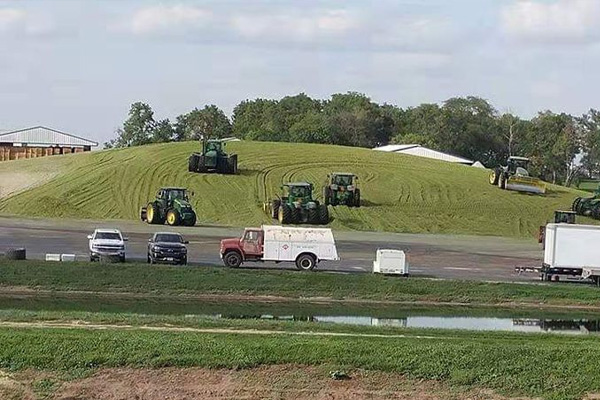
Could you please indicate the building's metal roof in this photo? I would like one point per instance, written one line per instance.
(420, 151)
(40, 135)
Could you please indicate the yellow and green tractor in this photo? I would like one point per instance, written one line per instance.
(172, 205)
(515, 176)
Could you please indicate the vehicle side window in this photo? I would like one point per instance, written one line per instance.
(251, 236)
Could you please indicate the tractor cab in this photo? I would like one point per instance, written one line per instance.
(342, 180)
(518, 165)
(297, 192)
(169, 195)
(214, 146)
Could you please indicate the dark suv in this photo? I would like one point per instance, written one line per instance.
(167, 247)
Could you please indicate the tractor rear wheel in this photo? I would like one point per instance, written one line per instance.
(173, 217)
(193, 163)
(296, 215)
(326, 195)
(284, 214)
(357, 198)
(494, 175)
(275, 208)
(232, 165)
(153, 214)
(190, 220)
(575, 205)
(323, 214)
(313, 216)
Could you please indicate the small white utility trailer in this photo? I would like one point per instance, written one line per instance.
(572, 250)
(390, 262)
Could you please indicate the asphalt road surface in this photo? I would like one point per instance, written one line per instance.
(441, 256)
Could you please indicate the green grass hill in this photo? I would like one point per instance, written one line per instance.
(401, 193)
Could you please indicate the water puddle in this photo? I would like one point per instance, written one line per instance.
(401, 316)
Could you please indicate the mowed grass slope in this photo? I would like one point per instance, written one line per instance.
(401, 193)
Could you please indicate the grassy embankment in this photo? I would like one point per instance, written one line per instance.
(401, 193)
(168, 280)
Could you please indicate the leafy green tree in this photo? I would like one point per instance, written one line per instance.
(254, 120)
(210, 121)
(138, 127)
(162, 132)
(312, 128)
(589, 126)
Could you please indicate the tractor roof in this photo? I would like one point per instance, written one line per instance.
(297, 184)
(518, 158)
(343, 173)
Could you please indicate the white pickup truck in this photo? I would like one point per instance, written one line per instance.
(107, 243)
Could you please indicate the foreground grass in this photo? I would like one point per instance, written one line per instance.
(535, 365)
(401, 193)
(144, 279)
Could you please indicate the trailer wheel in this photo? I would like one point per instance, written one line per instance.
(232, 259)
(306, 262)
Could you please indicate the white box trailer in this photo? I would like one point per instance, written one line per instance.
(571, 248)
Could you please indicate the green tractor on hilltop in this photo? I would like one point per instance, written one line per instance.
(588, 206)
(213, 159)
(171, 205)
(297, 206)
(342, 189)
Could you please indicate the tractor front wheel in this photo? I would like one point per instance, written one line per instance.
(173, 217)
(313, 216)
(326, 195)
(502, 181)
(296, 216)
(190, 220)
(323, 214)
(275, 204)
(494, 176)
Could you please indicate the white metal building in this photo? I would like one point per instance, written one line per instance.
(40, 141)
(420, 151)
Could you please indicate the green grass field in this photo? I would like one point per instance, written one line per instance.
(168, 280)
(401, 193)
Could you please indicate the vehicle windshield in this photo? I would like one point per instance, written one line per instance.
(213, 146)
(299, 191)
(108, 235)
(177, 194)
(342, 180)
(167, 238)
(519, 164)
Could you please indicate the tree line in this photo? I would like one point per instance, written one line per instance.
(562, 147)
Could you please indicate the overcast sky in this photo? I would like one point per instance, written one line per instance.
(78, 65)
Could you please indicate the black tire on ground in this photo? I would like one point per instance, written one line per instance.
(575, 204)
(357, 198)
(122, 259)
(306, 262)
(232, 259)
(193, 162)
(153, 214)
(190, 220)
(313, 216)
(596, 212)
(284, 214)
(232, 164)
(326, 195)
(275, 208)
(143, 213)
(296, 216)
(502, 181)
(148, 259)
(494, 176)
(16, 254)
(323, 214)
(184, 261)
(173, 217)
(92, 259)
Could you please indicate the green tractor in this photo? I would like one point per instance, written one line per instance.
(341, 189)
(297, 206)
(588, 206)
(213, 159)
(171, 205)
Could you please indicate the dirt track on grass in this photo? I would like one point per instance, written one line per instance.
(283, 382)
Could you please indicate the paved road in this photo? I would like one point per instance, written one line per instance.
(442, 256)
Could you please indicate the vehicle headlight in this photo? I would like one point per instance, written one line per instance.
(94, 246)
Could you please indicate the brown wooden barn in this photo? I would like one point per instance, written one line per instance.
(40, 141)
